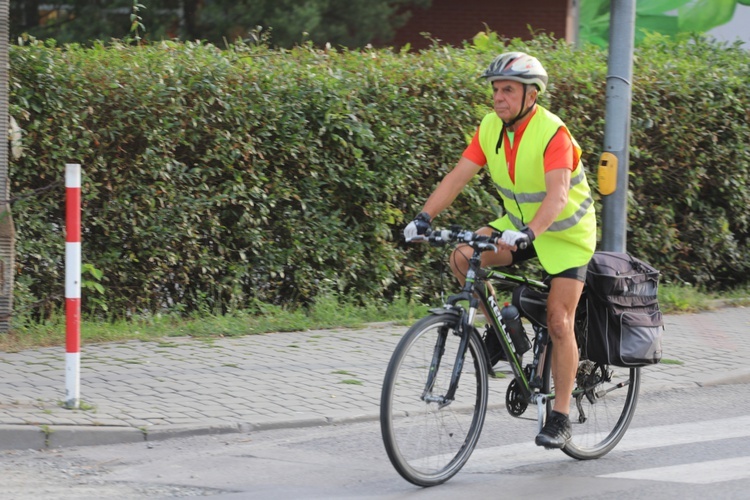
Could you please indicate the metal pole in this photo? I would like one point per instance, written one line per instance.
(73, 285)
(613, 166)
(7, 228)
(574, 19)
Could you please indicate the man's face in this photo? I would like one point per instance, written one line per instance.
(507, 96)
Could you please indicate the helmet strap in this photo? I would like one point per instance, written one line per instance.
(522, 112)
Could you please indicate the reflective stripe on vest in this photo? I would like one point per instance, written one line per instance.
(560, 225)
(536, 197)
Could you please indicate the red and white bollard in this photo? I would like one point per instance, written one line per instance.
(72, 284)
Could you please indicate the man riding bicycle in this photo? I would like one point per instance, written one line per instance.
(536, 166)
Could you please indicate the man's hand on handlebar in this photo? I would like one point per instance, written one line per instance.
(520, 239)
(418, 227)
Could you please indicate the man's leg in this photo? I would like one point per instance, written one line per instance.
(561, 307)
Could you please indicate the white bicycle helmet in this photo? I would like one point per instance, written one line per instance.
(519, 67)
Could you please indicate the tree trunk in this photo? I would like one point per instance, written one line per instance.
(190, 13)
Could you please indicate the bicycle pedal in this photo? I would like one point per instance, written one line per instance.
(536, 382)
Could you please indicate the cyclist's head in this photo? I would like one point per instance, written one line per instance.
(522, 68)
(519, 67)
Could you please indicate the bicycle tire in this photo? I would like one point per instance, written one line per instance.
(601, 410)
(428, 444)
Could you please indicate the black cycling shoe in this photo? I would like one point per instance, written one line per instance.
(556, 432)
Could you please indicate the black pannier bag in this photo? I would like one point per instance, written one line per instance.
(625, 324)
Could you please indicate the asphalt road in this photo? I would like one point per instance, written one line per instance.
(683, 443)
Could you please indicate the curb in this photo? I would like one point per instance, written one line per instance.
(21, 437)
(59, 436)
(35, 437)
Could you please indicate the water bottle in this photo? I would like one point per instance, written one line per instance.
(514, 327)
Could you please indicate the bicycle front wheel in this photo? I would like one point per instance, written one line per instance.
(604, 401)
(428, 439)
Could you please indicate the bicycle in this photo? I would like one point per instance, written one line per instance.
(431, 423)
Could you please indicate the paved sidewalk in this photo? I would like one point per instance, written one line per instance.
(138, 391)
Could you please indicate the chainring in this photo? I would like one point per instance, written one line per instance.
(514, 400)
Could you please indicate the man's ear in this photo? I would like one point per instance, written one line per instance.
(532, 95)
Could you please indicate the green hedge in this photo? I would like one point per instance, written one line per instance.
(217, 178)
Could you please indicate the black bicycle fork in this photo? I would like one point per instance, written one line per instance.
(530, 386)
(463, 332)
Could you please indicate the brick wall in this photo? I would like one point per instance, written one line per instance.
(453, 21)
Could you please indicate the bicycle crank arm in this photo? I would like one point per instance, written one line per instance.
(541, 409)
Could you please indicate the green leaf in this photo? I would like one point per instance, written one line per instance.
(651, 7)
(94, 272)
(591, 10)
(703, 15)
(666, 25)
(594, 22)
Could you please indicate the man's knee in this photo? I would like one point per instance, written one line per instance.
(560, 324)
(561, 307)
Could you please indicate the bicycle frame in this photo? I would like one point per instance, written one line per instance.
(476, 291)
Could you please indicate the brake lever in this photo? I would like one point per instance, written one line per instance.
(490, 246)
(441, 237)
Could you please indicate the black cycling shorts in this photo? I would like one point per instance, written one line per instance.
(576, 273)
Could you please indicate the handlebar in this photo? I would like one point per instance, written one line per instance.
(481, 242)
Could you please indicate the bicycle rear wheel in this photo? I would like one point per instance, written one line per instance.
(604, 402)
(428, 441)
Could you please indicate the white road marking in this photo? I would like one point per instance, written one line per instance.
(714, 471)
(679, 434)
(507, 457)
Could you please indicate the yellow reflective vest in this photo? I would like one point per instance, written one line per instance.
(570, 240)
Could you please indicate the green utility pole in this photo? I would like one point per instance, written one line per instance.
(613, 165)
